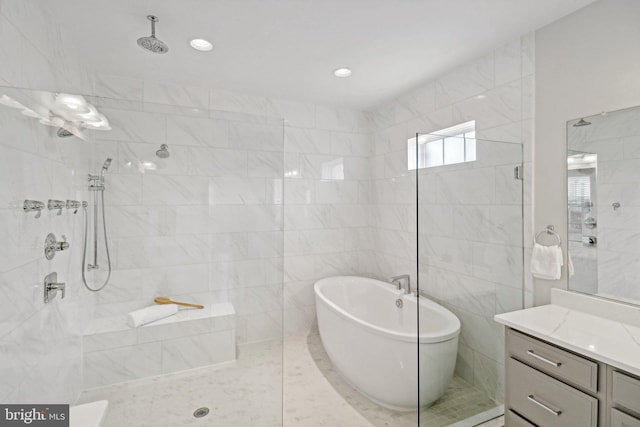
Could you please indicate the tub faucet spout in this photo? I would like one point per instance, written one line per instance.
(402, 281)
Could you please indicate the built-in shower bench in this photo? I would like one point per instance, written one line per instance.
(114, 352)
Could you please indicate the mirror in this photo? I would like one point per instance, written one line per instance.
(603, 209)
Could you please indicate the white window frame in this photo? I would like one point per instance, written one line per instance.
(464, 131)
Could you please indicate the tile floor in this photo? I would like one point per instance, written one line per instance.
(498, 422)
(249, 392)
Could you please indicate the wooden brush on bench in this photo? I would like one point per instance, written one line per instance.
(164, 300)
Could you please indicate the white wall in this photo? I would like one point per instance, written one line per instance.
(208, 223)
(470, 215)
(586, 63)
(40, 345)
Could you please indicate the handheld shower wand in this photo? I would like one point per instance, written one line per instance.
(105, 166)
(96, 185)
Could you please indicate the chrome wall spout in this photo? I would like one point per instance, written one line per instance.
(402, 281)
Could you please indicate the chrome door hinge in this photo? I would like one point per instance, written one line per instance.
(518, 173)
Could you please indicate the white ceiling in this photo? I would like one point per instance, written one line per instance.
(289, 48)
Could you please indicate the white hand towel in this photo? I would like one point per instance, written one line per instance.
(546, 262)
(150, 314)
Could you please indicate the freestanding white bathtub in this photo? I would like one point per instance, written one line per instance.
(373, 344)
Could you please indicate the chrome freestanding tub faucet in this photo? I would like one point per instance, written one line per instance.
(402, 281)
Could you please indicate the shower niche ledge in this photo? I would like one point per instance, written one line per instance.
(114, 352)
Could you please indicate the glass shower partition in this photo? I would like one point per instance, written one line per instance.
(470, 261)
(194, 202)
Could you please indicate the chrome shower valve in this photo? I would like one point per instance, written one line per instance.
(51, 245)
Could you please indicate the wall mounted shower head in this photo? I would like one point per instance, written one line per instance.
(151, 43)
(163, 152)
(63, 133)
(580, 123)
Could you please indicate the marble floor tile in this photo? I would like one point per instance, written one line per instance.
(496, 422)
(255, 391)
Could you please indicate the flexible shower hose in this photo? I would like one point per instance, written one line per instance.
(106, 244)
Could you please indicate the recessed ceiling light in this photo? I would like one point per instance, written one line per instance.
(342, 72)
(201, 44)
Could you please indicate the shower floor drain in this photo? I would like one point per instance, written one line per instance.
(201, 412)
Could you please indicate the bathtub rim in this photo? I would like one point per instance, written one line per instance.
(452, 330)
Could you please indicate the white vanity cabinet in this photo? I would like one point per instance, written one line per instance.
(548, 385)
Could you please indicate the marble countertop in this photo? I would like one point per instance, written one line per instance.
(119, 322)
(607, 339)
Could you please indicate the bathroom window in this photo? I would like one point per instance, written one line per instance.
(333, 169)
(455, 144)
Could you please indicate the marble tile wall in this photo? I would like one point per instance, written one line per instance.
(470, 215)
(33, 51)
(205, 224)
(615, 137)
(115, 353)
(216, 221)
(40, 345)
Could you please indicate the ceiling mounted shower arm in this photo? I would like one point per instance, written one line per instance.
(153, 20)
(151, 43)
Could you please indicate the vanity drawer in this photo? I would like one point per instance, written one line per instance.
(620, 419)
(553, 360)
(546, 401)
(625, 391)
(514, 420)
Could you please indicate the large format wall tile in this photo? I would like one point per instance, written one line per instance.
(469, 216)
(212, 221)
(200, 350)
(40, 351)
(223, 199)
(122, 364)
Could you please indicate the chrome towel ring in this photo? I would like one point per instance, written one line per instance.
(549, 230)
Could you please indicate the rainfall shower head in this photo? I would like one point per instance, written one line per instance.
(581, 122)
(151, 43)
(163, 152)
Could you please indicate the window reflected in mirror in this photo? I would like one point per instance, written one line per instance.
(603, 209)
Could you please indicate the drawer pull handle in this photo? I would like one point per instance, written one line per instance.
(544, 359)
(532, 398)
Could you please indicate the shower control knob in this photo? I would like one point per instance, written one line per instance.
(51, 245)
(61, 246)
(51, 287)
(58, 205)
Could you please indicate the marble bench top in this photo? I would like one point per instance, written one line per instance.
(602, 330)
(119, 323)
